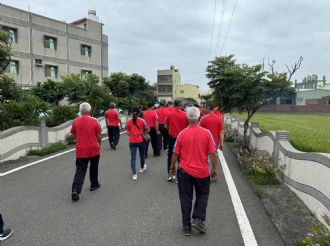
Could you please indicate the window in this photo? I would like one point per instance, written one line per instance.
(165, 88)
(182, 91)
(12, 33)
(84, 73)
(13, 67)
(38, 62)
(51, 71)
(50, 42)
(165, 78)
(86, 50)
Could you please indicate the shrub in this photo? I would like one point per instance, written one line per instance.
(317, 235)
(48, 150)
(61, 114)
(259, 169)
(69, 139)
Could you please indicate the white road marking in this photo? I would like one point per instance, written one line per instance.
(42, 160)
(243, 221)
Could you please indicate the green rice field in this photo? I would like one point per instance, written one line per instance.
(308, 133)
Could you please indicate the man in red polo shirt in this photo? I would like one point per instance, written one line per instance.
(113, 121)
(151, 117)
(162, 113)
(176, 121)
(170, 106)
(214, 124)
(87, 132)
(193, 145)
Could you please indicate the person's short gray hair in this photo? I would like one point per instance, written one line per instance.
(85, 108)
(193, 113)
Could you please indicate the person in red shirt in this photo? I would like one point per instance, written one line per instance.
(219, 112)
(162, 113)
(113, 121)
(134, 128)
(176, 121)
(214, 124)
(151, 117)
(87, 132)
(170, 106)
(193, 145)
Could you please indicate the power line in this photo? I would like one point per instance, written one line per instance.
(223, 9)
(224, 41)
(211, 43)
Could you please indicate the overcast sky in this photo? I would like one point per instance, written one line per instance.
(146, 35)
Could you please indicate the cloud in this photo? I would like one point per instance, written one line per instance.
(153, 34)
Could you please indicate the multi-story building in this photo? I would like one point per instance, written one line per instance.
(167, 82)
(44, 48)
(188, 91)
(311, 82)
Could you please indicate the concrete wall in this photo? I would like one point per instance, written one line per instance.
(285, 108)
(307, 174)
(17, 141)
(188, 90)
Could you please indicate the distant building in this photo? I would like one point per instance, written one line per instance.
(304, 95)
(167, 81)
(188, 91)
(311, 82)
(44, 48)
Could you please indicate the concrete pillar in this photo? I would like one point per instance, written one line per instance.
(279, 136)
(43, 133)
(252, 125)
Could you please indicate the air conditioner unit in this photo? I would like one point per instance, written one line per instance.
(38, 62)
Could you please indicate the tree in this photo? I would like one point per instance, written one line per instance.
(118, 84)
(9, 90)
(5, 50)
(243, 87)
(49, 91)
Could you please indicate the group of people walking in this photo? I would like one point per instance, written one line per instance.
(190, 136)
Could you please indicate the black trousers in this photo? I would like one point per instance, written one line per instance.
(186, 186)
(113, 134)
(1, 224)
(81, 169)
(171, 143)
(164, 133)
(154, 142)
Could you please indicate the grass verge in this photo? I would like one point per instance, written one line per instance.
(48, 150)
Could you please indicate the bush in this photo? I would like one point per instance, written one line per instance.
(61, 114)
(317, 235)
(48, 150)
(69, 139)
(259, 169)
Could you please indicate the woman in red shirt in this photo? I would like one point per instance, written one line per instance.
(134, 128)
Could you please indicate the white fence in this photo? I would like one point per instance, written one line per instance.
(17, 141)
(307, 174)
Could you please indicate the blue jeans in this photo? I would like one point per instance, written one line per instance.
(132, 148)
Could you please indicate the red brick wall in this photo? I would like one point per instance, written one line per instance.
(287, 108)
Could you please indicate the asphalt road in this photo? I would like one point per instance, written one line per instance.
(37, 203)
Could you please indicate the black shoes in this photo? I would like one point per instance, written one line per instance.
(187, 230)
(95, 187)
(6, 233)
(75, 196)
(199, 225)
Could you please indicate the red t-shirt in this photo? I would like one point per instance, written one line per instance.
(86, 129)
(193, 145)
(162, 114)
(214, 124)
(135, 133)
(150, 117)
(170, 108)
(176, 121)
(112, 117)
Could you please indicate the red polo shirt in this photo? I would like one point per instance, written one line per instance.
(170, 108)
(214, 124)
(150, 117)
(86, 129)
(134, 131)
(176, 121)
(112, 117)
(162, 114)
(193, 146)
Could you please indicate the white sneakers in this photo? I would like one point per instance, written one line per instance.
(143, 169)
(134, 176)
